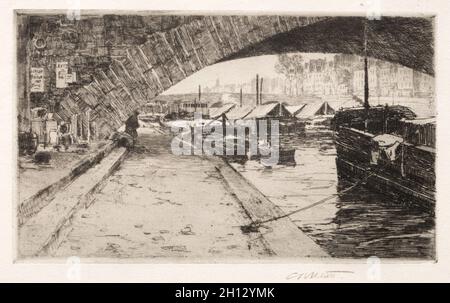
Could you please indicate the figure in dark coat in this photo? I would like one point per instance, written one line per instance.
(132, 124)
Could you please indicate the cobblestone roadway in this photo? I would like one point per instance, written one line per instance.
(159, 205)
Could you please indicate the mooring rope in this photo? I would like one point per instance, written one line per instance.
(258, 223)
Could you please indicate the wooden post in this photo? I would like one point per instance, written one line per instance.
(257, 89)
(82, 128)
(366, 80)
(402, 165)
(240, 97)
(192, 139)
(74, 127)
(224, 129)
(28, 84)
(88, 118)
(260, 91)
(366, 83)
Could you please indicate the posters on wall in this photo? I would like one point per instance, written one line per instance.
(62, 69)
(71, 77)
(37, 79)
(63, 77)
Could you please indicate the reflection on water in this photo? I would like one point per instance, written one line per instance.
(358, 223)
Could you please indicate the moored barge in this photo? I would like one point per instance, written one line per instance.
(391, 150)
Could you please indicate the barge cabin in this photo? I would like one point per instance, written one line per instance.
(390, 149)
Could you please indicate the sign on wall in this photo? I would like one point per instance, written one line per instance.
(61, 74)
(71, 78)
(37, 79)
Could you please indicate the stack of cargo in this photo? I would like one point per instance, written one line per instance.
(420, 131)
(380, 119)
(394, 150)
(419, 164)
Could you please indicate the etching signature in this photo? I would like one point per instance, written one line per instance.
(311, 275)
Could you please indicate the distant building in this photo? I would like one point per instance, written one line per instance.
(392, 80)
(358, 82)
(424, 85)
(343, 75)
(405, 82)
(386, 79)
(373, 78)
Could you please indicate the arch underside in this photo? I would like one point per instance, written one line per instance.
(406, 41)
(169, 57)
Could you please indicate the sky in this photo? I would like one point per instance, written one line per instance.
(235, 71)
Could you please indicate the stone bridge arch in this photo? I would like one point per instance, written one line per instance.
(170, 56)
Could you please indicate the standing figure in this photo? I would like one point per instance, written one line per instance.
(131, 125)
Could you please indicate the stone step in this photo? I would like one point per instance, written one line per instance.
(41, 234)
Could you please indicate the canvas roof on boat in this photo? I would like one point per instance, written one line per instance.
(217, 112)
(261, 111)
(239, 112)
(403, 110)
(345, 102)
(421, 121)
(311, 109)
(387, 139)
(294, 109)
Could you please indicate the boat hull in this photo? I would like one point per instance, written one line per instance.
(392, 187)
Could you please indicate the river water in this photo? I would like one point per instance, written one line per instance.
(358, 223)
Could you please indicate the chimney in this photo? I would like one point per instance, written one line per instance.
(240, 97)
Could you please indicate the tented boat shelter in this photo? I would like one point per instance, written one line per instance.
(295, 109)
(215, 113)
(312, 110)
(270, 110)
(239, 113)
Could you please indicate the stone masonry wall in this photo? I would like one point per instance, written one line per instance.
(124, 61)
(164, 59)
